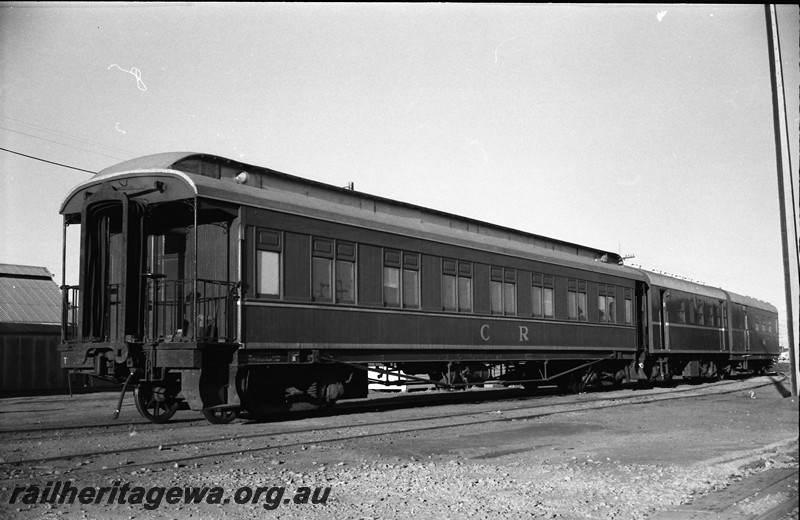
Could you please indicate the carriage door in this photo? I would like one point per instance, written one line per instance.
(746, 330)
(723, 333)
(642, 321)
(664, 320)
(168, 288)
(112, 263)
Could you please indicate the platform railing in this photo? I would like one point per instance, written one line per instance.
(170, 316)
(169, 312)
(69, 312)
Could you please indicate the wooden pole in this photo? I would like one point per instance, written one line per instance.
(776, 107)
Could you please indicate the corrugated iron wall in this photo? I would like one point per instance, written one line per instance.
(30, 363)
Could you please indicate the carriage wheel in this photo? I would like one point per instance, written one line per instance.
(155, 403)
(220, 416)
(574, 382)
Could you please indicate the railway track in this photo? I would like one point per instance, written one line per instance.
(376, 403)
(233, 441)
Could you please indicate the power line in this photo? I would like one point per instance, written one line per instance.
(62, 144)
(49, 162)
(66, 136)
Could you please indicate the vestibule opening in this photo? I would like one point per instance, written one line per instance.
(153, 273)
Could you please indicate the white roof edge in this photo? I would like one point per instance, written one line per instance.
(100, 177)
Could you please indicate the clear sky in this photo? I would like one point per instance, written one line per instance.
(642, 129)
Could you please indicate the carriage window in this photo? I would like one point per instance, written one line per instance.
(269, 269)
(497, 290)
(456, 285)
(582, 302)
(321, 279)
(628, 306)
(510, 291)
(576, 299)
(464, 286)
(391, 286)
(607, 302)
(322, 270)
(549, 297)
(345, 272)
(537, 294)
(542, 295)
(611, 299)
(572, 299)
(449, 302)
(268, 262)
(391, 278)
(411, 280)
(504, 291)
(601, 302)
(345, 281)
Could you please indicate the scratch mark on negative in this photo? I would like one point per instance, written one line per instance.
(136, 74)
(501, 44)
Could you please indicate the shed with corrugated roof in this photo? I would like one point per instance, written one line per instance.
(30, 331)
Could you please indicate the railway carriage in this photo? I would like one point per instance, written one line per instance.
(699, 331)
(219, 286)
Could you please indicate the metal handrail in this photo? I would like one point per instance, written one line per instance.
(168, 311)
(69, 312)
(170, 306)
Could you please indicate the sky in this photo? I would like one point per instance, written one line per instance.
(641, 129)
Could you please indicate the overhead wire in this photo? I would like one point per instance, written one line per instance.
(66, 136)
(62, 144)
(46, 161)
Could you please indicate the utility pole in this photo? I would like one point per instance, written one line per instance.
(776, 108)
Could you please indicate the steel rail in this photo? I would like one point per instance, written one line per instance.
(469, 416)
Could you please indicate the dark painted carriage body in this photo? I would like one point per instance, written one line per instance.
(704, 328)
(218, 279)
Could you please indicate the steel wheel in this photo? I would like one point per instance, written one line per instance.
(220, 416)
(155, 403)
(573, 383)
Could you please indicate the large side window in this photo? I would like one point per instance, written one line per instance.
(391, 277)
(449, 280)
(333, 271)
(601, 302)
(504, 291)
(268, 263)
(465, 286)
(576, 300)
(322, 270)
(628, 306)
(496, 289)
(612, 304)
(411, 280)
(345, 272)
(456, 285)
(607, 302)
(401, 280)
(542, 293)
